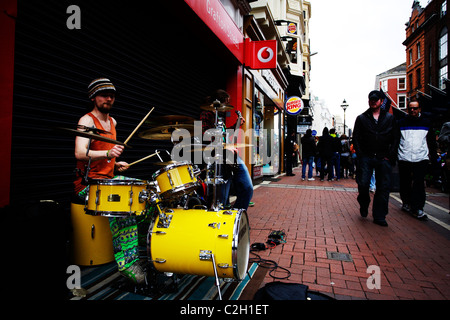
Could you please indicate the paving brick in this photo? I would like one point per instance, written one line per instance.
(413, 258)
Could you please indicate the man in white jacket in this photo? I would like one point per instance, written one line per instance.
(417, 148)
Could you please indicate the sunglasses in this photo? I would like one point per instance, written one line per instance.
(413, 108)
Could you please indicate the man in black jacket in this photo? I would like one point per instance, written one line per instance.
(375, 139)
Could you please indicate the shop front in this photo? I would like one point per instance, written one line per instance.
(169, 56)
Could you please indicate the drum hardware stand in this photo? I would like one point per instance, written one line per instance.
(208, 255)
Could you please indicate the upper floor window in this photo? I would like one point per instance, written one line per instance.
(444, 8)
(401, 83)
(418, 50)
(443, 44)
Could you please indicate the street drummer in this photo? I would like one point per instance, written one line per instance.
(102, 156)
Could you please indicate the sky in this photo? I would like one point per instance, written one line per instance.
(355, 40)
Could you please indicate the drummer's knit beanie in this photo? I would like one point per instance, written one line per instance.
(98, 85)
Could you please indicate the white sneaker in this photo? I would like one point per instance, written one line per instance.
(421, 214)
(311, 179)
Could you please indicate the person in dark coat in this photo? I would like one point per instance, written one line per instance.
(375, 139)
(308, 153)
(325, 147)
(290, 153)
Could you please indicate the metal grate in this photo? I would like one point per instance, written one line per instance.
(339, 256)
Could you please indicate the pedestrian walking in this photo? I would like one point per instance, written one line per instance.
(325, 147)
(345, 157)
(417, 147)
(375, 138)
(336, 156)
(290, 141)
(308, 153)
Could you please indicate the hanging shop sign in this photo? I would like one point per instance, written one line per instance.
(293, 106)
(292, 28)
(260, 54)
(214, 15)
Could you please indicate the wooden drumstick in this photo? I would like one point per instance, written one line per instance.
(140, 124)
(148, 157)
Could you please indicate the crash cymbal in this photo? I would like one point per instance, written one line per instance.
(164, 163)
(165, 132)
(170, 120)
(90, 135)
(217, 107)
(236, 145)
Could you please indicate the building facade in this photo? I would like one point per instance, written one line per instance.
(393, 84)
(170, 58)
(427, 49)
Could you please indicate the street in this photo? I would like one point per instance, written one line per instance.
(332, 249)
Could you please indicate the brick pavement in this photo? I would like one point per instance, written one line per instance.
(320, 217)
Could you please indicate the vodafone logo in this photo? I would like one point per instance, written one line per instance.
(265, 54)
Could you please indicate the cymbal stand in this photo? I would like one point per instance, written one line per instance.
(218, 162)
(88, 166)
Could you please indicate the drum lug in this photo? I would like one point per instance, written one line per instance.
(164, 220)
(214, 225)
(223, 236)
(158, 260)
(170, 179)
(228, 212)
(130, 202)
(191, 173)
(144, 195)
(224, 265)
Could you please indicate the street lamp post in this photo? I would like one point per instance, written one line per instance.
(344, 106)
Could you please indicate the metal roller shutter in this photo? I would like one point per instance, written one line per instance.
(153, 60)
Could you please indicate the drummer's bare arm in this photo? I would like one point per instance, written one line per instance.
(81, 146)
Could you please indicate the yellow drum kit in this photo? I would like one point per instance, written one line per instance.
(180, 240)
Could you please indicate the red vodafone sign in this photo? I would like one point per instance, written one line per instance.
(260, 54)
(294, 105)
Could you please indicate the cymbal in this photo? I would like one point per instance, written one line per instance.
(165, 132)
(170, 119)
(236, 145)
(217, 107)
(90, 135)
(164, 163)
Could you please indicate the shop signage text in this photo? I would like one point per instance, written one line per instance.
(214, 15)
(294, 105)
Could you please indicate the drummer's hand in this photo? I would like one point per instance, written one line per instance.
(122, 166)
(116, 151)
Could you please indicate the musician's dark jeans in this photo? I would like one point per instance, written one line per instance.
(243, 185)
(383, 173)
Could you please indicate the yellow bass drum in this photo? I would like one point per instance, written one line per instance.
(183, 241)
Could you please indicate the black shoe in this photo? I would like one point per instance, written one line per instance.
(382, 223)
(291, 175)
(364, 212)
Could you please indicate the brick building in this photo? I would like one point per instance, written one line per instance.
(427, 49)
